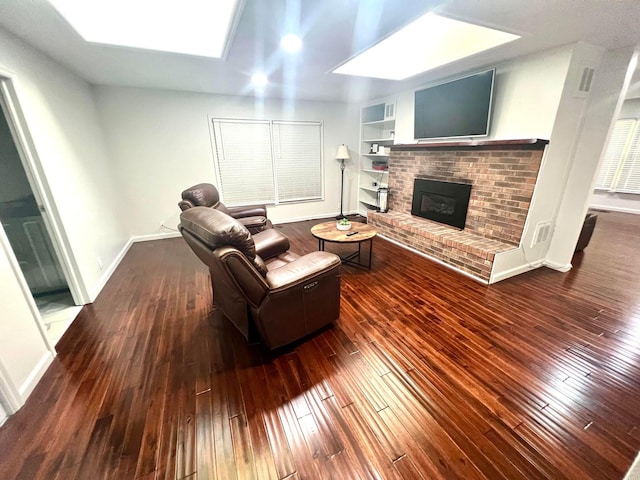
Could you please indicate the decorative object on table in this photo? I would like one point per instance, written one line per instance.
(361, 233)
(343, 224)
(374, 148)
(342, 154)
(383, 199)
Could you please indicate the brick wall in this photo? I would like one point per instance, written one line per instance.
(463, 250)
(503, 182)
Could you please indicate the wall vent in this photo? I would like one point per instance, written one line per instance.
(542, 233)
(586, 80)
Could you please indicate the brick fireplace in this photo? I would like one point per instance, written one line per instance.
(503, 175)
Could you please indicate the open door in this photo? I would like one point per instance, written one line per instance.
(27, 224)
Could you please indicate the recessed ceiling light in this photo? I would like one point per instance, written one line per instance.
(259, 79)
(291, 43)
(424, 44)
(193, 27)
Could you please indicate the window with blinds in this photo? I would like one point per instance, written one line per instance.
(268, 161)
(620, 169)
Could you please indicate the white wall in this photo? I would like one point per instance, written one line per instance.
(65, 137)
(62, 119)
(527, 93)
(160, 144)
(619, 202)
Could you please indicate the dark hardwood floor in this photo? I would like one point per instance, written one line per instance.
(427, 374)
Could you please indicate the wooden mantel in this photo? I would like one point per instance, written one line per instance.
(516, 144)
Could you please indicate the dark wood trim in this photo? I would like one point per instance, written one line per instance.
(516, 144)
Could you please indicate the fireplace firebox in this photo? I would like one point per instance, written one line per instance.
(444, 202)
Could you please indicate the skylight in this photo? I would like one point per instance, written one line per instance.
(426, 43)
(193, 27)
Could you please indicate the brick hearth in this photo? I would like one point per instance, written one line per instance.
(503, 175)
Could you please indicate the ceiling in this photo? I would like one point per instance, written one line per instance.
(332, 31)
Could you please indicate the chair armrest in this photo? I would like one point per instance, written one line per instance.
(243, 274)
(248, 211)
(185, 204)
(270, 243)
(301, 270)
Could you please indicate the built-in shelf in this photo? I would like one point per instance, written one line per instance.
(377, 132)
(381, 123)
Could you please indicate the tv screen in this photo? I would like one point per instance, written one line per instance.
(460, 108)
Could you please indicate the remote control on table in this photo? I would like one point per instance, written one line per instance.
(351, 233)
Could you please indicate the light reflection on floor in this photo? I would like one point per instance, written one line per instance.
(58, 312)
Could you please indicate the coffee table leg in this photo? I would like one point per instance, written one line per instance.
(370, 252)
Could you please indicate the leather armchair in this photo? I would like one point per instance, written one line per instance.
(586, 232)
(254, 217)
(281, 295)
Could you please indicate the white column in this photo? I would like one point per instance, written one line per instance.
(605, 100)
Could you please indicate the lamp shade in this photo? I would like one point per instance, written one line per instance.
(342, 153)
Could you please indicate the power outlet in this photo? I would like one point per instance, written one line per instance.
(100, 263)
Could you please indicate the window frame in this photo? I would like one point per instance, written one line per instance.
(274, 167)
(617, 181)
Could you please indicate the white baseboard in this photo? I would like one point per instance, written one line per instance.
(515, 271)
(109, 271)
(160, 236)
(116, 261)
(557, 266)
(328, 216)
(34, 377)
(615, 209)
(444, 264)
(154, 236)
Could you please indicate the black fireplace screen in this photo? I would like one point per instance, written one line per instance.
(444, 202)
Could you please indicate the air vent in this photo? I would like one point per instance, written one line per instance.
(541, 235)
(584, 84)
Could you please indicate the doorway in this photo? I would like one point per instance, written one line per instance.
(21, 215)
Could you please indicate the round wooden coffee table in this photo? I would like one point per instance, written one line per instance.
(359, 233)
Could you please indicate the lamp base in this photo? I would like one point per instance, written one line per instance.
(340, 217)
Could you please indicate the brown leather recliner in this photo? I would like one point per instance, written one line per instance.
(282, 295)
(586, 232)
(254, 217)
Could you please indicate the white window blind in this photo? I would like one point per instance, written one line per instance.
(620, 169)
(263, 161)
(297, 160)
(243, 151)
(629, 181)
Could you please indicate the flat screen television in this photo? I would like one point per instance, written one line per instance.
(459, 108)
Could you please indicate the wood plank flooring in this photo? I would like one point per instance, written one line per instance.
(427, 374)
